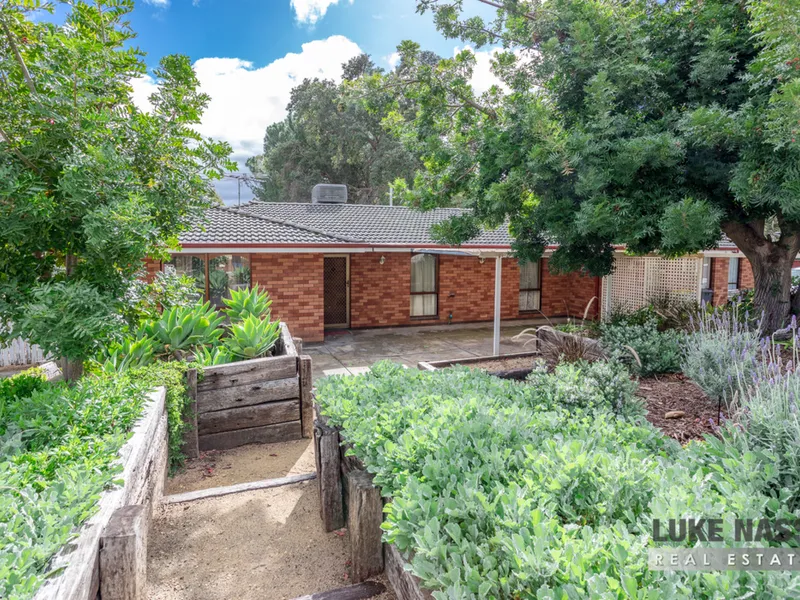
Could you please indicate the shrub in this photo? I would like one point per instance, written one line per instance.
(601, 384)
(58, 447)
(767, 392)
(172, 375)
(145, 301)
(719, 350)
(497, 495)
(647, 350)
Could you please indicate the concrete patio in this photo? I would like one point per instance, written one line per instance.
(352, 352)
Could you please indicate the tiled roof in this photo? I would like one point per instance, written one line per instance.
(370, 224)
(229, 226)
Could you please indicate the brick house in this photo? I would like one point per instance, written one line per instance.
(329, 266)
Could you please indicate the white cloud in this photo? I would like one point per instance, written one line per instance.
(482, 77)
(244, 99)
(158, 3)
(311, 11)
(392, 60)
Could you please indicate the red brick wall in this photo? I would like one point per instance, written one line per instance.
(151, 267)
(379, 293)
(294, 282)
(569, 294)
(719, 278)
(746, 280)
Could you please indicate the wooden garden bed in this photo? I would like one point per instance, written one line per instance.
(144, 460)
(348, 498)
(507, 366)
(263, 400)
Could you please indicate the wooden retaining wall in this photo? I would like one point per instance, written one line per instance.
(348, 498)
(253, 401)
(144, 459)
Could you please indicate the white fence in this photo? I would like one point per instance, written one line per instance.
(20, 352)
(637, 280)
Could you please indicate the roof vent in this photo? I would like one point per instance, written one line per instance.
(329, 193)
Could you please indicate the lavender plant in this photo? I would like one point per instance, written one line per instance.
(767, 391)
(720, 347)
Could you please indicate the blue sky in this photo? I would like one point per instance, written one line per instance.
(250, 53)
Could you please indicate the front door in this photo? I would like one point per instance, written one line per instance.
(337, 291)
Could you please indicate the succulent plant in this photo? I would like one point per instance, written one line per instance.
(210, 357)
(252, 337)
(248, 302)
(182, 327)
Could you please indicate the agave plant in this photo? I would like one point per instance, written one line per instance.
(183, 327)
(130, 353)
(211, 357)
(252, 337)
(248, 302)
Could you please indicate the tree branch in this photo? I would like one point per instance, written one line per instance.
(25, 74)
(20, 155)
(529, 16)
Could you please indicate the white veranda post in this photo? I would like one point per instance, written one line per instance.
(498, 277)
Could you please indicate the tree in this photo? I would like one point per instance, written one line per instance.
(333, 133)
(654, 124)
(89, 184)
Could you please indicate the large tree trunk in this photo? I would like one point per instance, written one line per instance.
(772, 270)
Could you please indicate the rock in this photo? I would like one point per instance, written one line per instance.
(674, 414)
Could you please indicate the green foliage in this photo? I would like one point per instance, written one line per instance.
(248, 302)
(68, 319)
(172, 375)
(719, 350)
(90, 184)
(495, 495)
(598, 385)
(58, 446)
(252, 337)
(182, 328)
(209, 357)
(145, 301)
(657, 125)
(646, 349)
(129, 353)
(22, 385)
(333, 133)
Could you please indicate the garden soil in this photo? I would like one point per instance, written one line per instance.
(261, 545)
(670, 393)
(245, 464)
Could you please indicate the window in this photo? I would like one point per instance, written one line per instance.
(530, 287)
(216, 276)
(226, 273)
(424, 284)
(733, 274)
(706, 282)
(193, 266)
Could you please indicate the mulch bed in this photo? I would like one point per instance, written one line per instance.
(675, 392)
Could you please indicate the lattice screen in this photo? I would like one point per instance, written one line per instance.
(636, 280)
